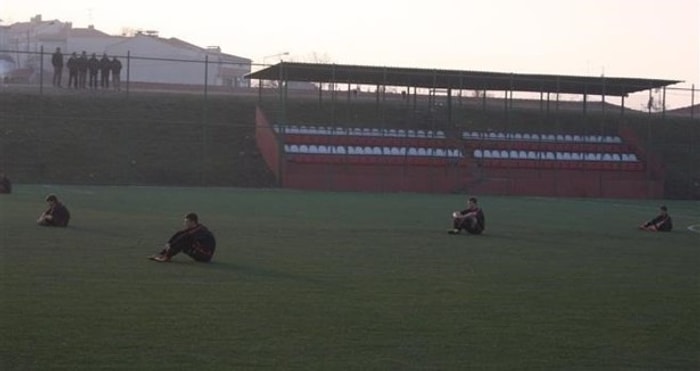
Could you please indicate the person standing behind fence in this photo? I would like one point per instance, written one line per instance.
(57, 63)
(105, 68)
(93, 67)
(116, 71)
(82, 69)
(72, 65)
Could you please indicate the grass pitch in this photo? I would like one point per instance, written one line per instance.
(321, 281)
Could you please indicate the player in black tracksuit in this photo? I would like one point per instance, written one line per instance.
(56, 215)
(195, 240)
(661, 223)
(470, 219)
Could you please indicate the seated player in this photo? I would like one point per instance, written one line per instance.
(661, 223)
(471, 219)
(56, 215)
(195, 240)
(5, 184)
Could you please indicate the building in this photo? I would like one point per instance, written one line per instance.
(151, 58)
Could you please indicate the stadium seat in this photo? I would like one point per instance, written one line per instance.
(421, 151)
(550, 156)
(535, 137)
(522, 155)
(412, 151)
(513, 154)
(532, 155)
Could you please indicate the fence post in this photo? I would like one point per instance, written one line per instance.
(41, 70)
(206, 76)
(128, 72)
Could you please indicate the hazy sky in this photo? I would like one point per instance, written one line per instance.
(628, 38)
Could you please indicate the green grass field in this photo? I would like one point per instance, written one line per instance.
(344, 281)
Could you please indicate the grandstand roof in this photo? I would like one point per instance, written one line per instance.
(456, 79)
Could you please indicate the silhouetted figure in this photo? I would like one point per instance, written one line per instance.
(116, 71)
(72, 65)
(82, 69)
(195, 240)
(57, 63)
(105, 69)
(93, 67)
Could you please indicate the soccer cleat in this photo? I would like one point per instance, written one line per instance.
(160, 258)
(453, 231)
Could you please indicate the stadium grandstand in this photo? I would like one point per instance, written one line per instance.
(415, 132)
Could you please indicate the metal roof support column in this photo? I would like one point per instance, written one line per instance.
(320, 94)
(449, 107)
(663, 104)
(461, 84)
(384, 99)
(282, 116)
(692, 101)
(622, 106)
(557, 103)
(512, 87)
(603, 91)
(415, 99)
(333, 94)
(541, 101)
(349, 109)
(483, 100)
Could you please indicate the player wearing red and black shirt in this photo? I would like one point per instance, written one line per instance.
(470, 219)
(195, 240)
(56, 215)
(661, 223)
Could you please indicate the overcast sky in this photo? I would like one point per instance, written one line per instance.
(622, 38)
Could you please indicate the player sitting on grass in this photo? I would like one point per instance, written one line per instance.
(471, 219)
(661, 223)
(195, 240)
(5, 184)
(56, 215)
